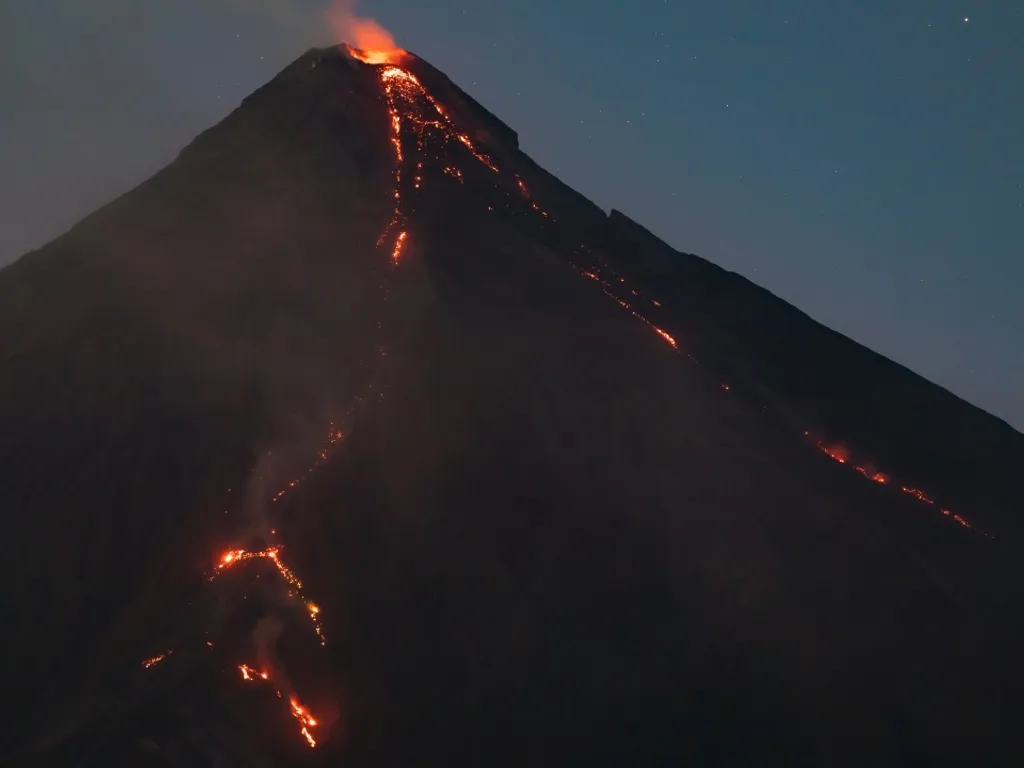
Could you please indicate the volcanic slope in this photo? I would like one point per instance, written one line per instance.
(354, 436)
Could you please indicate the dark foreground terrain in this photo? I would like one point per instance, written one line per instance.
(560, 494)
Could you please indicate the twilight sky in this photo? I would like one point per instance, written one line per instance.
(862, 160)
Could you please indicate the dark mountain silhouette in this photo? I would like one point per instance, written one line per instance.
(556, 492)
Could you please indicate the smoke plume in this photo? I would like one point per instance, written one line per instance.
(264, 639)
(360, 32)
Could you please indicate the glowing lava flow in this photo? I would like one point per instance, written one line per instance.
(152, 662)
(334, 436)
(299, 712)
(248, 673)
(411, 106)
(836, 454)
(840, 457)
(233, 557)
(394, 56)
(606, 287)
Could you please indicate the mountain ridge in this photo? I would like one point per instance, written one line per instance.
(470, 418)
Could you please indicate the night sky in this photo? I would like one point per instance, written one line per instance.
(862, 160)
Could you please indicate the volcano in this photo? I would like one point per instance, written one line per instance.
(353, 436)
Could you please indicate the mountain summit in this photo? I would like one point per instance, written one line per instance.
(353, 436)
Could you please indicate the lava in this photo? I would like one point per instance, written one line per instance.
(626, 306)
(663, 334)
(412, 107)
(607, 287)
(307, 721)
(248, 673)
(370, 42)
(833, 453)
(299, 712)
(918, 494)
(396, 252)
(233, 557)
(334, 436)
(838, 455)
(394, 56)
(152, 662)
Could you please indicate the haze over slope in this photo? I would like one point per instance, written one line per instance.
(553, 491)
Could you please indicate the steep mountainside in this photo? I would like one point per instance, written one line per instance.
(356, 405)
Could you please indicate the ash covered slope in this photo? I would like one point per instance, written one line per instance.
(549, 536)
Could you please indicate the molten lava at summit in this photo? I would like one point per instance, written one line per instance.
(364, 38)
(393, 56)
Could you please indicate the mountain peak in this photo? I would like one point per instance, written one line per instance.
(356, 425)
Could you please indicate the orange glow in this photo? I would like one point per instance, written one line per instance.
(411, 108)
(299, 712)
(307, 721)
(626, 306)
(248, 673)
(364, 38)
(399, 244)
(839, 455)
(372, 56)
(152, 662)
(666, 337)
(418, 124)
(232, 557)
(917, 494)
(333, 436)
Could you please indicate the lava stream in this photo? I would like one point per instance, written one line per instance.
(410, 105)
(299, 712)
(333, 436)
(839, 456)
(152, 662)
(836, 454)
(233, 557)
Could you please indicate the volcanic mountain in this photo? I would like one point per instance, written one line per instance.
(355, 437)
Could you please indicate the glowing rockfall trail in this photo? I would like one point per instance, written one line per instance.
(299, 712)
(234, 557)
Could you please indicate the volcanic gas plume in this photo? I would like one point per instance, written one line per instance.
(367, 39)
